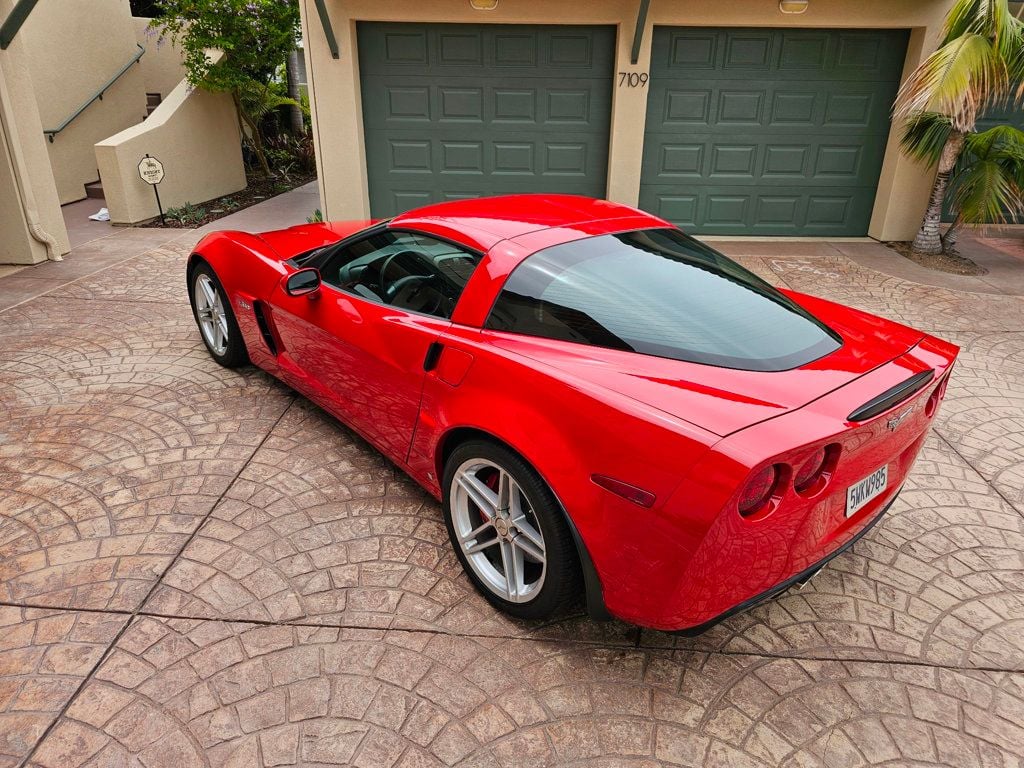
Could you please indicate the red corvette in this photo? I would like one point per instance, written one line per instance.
(599, 401)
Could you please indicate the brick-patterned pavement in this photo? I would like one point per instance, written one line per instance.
(199, 568)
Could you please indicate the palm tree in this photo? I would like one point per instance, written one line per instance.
(980, 57)
(986, 184)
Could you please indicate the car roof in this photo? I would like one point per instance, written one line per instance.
(482, 223)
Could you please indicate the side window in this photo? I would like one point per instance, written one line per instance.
(402, 269)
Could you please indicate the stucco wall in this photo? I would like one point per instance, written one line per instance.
(196, 170)
(161, 67)
(337, 112)
(27, 193)
(74, 48)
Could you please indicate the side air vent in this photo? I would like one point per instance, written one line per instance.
(892, 396)
(264, 326)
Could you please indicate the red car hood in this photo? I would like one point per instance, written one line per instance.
(305, 237)
(723, 400)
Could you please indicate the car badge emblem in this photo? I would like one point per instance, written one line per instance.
(244, 304)
(894, 422)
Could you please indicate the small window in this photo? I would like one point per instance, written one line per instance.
(402, 269)
(146, 9)
(662, 293)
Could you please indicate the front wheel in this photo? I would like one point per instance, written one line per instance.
(212, 311)
(509, 531)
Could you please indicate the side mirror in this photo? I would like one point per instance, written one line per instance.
(303, 283)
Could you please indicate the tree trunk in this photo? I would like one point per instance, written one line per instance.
(952, 234)
(295, 111)
(257, 140)
(928, 239)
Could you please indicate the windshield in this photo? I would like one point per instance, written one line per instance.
(659, 292)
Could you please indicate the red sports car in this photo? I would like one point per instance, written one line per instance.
(600, 402)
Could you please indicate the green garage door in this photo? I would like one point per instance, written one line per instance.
(463, 110)
(768, 131)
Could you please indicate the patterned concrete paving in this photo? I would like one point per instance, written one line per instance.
(198, 568)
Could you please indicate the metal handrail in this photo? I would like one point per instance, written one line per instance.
(51, 132)
(19, 13)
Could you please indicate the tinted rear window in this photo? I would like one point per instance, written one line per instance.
(659, 292)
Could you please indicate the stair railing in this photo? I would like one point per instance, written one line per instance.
(98, 95)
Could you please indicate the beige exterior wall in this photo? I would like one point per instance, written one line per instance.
(73, 49)
(337, 113)
(31, 226)
(196, 171)
(161, 67)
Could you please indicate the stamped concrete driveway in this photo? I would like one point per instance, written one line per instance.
(199, 568)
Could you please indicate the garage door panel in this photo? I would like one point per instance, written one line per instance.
(529, 50)
(798, 54)
(515, 105)
(476, 163)
(403, 103)
(405, 47)
(514, 158)
(413, 196)
(735, 113)
(418, 101)
(461, 48)
(819, 159)
(488, 154)
(747, 50)
(452, 110)
(460, 104)
(736, 210)
(860, 107)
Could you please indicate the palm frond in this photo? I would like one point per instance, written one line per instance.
(962, 19)
(986, 194)
(259, 100)
(998, 141)
(924, 136)
(988, 18)
(988, 183)
(956, 81)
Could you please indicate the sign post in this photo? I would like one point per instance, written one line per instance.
(151, 171)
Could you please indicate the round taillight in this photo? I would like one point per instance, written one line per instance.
(758, 490)
(810, 470)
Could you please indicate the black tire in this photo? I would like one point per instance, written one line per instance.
(562, 585)
(235, 354)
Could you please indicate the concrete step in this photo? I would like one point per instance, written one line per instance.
(94, 189)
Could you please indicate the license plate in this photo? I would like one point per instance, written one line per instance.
(859, 494)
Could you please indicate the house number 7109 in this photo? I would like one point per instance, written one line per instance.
(633, 79)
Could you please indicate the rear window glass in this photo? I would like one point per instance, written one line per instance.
(659, 292)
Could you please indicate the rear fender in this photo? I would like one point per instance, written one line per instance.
(569, 431)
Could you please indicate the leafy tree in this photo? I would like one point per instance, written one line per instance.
(980, 57)
(255, 35)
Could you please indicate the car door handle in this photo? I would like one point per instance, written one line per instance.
(433, 355)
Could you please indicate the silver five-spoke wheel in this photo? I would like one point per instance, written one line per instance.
(210, 312)
(498, 530)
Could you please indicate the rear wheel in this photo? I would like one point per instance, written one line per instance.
(509, 531)
(216, 320)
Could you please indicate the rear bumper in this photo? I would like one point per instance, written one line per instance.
(782, 586)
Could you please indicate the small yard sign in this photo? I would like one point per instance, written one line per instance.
(151, 171)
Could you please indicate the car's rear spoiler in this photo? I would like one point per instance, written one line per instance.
(892, 396)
